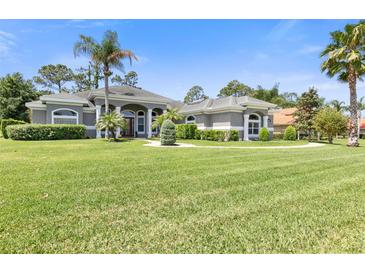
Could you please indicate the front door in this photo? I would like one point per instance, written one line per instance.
(129, 132)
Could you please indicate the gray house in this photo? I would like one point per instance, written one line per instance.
(140, 108)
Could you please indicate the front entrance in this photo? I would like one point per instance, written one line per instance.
(129, 132)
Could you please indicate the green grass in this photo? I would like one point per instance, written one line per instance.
(243, 143)
(91, 196)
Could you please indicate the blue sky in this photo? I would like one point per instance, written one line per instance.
(177, 54)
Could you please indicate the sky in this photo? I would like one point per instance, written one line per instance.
(174, 55)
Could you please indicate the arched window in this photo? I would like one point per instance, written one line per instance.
(128, 114)
(254, 124)
(65, 116)
(154, 117)
(190, 119)
(140, 121)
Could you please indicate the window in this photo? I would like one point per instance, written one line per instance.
(154, 117)
(140, 121)
(128, 114)
(254, 124)
(190, 119)
(65, 116)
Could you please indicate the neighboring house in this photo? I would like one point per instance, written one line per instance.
(282, 119)
(362, 128)
(140, 108)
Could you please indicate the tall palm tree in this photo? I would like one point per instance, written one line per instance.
(345, 57)
(337, 105)
(107, 54)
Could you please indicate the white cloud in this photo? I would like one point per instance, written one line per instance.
(7, 42)
(309, 49)
(281, 29)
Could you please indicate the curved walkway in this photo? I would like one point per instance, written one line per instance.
(181, 145)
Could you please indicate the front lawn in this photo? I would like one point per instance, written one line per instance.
(243, 143)
(91, 196)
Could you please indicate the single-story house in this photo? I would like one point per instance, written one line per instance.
(282, 119)
(141, 107)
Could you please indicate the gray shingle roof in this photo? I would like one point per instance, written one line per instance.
(229, 103)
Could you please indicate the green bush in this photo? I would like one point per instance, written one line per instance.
(8, 122)
(45, 132)
(233, 135)
(186, 131)
(168, 133)
(198, 134)
(290, 133)
(264, 134)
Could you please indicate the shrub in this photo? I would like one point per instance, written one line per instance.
(46, 132)
(330, 122)
(264, 134)
(198, 134)
(233, 135)
(186, 131)
(8, 122)
(168, 133)
(290, 133)
(277, 136)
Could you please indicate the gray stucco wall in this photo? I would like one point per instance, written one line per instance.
(89, 119)
(39, 116)
(52, 107)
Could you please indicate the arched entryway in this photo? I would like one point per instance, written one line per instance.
(129, 116)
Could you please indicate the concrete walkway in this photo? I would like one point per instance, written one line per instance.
(178, 145)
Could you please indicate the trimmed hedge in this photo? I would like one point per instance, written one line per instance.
(186, 131)
(264, 134)
(46, 132)
(290, 133)
(168, 133)
(8, 122)
(217, 135)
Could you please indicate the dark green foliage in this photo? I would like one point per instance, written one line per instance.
(186, 131)
(54, 77)
(264, 134)
(194, 94)
(8, 122)
(168, 133)
(46, 132)
(290, 133)
(15, 91)
(307, 108)
(198, 134)
(218, 135)
(233, 135)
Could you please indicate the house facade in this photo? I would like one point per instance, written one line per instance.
(140, 108)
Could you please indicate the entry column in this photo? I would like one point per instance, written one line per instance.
(98, 110)
(245, 126)
(117, 133)
(149, 121)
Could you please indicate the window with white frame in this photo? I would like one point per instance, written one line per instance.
(65, 116)
(254, 124)
(154, 117)
(190, 119)
(140, 121)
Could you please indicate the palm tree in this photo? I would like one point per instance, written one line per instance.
(173, 115)
(337, 105)
(107, 54)
(345, 58)
(110, 122)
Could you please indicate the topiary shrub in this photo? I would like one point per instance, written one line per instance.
(264, 134)
(233, 135)
(38, 132)
(168, 133)
(8, 122)
(290, 133)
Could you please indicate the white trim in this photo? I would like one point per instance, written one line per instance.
(220, 127)
(144, 121)
(49, 99)
(65, 116)
(88, 110)
(90, 127)
(190, 122)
